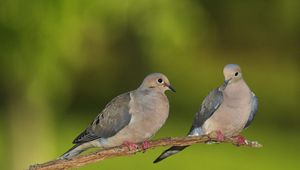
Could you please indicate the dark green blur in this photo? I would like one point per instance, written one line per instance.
(61, 61)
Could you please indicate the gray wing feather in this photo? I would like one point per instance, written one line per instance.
(254, 107)
(210, 104)
(112, 119)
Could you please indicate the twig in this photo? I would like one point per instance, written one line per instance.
(124, 151)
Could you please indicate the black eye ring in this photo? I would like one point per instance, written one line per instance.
(236, 74)
(160, 80)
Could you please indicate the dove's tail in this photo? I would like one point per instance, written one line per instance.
(74, 151)
(169, 152)
(194, 131)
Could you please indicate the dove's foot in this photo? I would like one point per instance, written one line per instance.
(130, 145)
(146, 144)
(239, 139)
(220, 136)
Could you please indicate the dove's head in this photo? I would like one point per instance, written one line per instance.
(232, 73)
(158, 82)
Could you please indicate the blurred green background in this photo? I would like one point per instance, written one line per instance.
(61, 61)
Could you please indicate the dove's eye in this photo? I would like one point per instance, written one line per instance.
(236, 74)
(159, 81)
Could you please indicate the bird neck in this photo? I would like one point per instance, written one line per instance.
(148, 91)
(236, 90)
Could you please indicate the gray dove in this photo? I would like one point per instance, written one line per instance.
(129, 118)
(226, 110)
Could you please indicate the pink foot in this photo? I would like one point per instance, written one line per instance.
(220, 137)
(146, 145)
(130, 145)
(239, 139)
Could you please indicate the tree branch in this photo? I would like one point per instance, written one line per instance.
(124, 151)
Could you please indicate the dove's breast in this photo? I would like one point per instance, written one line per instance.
(232, 115)
(148, 114)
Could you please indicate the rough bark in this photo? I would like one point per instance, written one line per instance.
(125, 151)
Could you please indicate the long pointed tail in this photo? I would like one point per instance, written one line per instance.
(169, 152)
(74, 151)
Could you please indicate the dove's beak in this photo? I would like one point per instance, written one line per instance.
(170, 87)
(226, 82)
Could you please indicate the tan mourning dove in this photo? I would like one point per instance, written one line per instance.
(227, 110)
(129, 118)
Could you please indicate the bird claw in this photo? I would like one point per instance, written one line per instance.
(240, 140)
(216, 137)
(145, 145)
(130, 145)
(220, 136)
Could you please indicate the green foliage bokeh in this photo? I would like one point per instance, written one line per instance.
(62, 61)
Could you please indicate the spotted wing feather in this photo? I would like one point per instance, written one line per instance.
(111, 120)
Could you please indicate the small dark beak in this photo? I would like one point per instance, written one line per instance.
(226, 82)
(170, 87)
